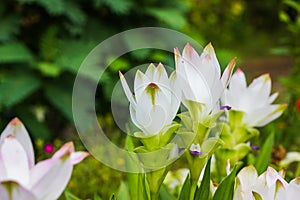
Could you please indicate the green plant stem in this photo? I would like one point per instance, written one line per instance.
(155, 179)
(297, 172)
(193, 188)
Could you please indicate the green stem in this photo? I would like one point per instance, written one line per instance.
(155, 179)
(297, 172)
(193, 188)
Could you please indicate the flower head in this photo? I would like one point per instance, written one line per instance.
(155, 101)
(269, 185)
(200, 76)
(21, 178)
(254, 101)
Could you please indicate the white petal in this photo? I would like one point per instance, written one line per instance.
(17, 129)
(209, 65)
(290, 158)
(260, 89)
(247, 176)
(263, 116)
(161, 76)
(151, 117)
(226, 76)
(238, 82)
(15, 161)
(127, 91)
(293, 189)
(273, 97)
(77, 157)
(67, 148)
(50, 177)
(151, 70)
(12, 191)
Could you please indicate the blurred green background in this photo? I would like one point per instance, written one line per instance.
(43, 42)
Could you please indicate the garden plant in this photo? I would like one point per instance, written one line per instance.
(153, 114)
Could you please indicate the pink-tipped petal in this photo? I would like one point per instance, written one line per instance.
(177, 56)
(77, 157)
(67, 148)
(10, 190)
(15, 161)
(18, 130)
(228, 72)
(50, 177)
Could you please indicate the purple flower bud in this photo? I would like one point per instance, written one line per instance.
(225, 107)
(255, 148)
(196, 152)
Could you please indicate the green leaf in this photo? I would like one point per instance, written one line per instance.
(264, 157)
(164, 193)
(48, 44)
(16, 86)
(72, 58)
(171, 17)
(293, 4)
(123, 193)
(61, 98)
(70, 196)
(96, 197)
(74, 13)
(49, 69)
(9, 27)
(14, 52)
(226, 187)
(113, 197)
(185, 190)
(119, 6)
(204, 191)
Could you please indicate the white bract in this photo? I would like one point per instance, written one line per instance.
(21, 178)
(155, 101)
(254, 101)
(270, 185)
(200, 76)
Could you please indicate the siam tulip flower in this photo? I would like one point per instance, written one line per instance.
(21, 178)
(155, 101)
(200, 77)
(254, 101)
(270, 185)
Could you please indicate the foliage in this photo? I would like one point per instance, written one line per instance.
(50, 39)
(42, 44)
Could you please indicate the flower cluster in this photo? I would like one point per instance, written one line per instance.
(21, 178)
(269, 185)
(198, 84)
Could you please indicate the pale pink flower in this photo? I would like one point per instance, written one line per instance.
(21, 178)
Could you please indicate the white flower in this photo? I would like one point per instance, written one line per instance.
(21, 178)
(200, 76)
(155, 101)
(255, 100)
(270, 185)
